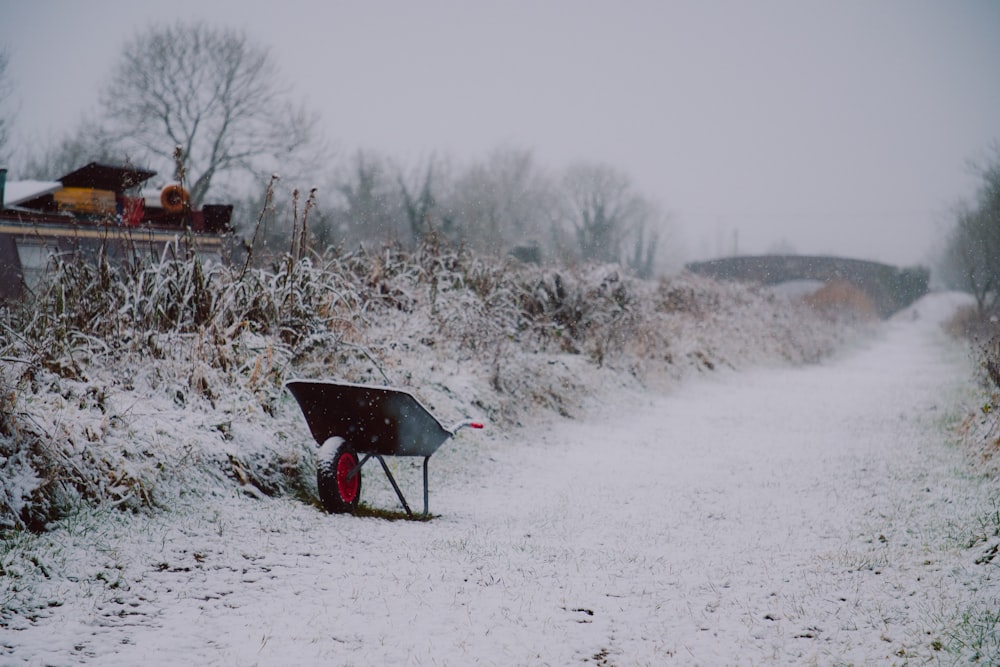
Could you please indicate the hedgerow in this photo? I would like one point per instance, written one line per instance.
(128, 382)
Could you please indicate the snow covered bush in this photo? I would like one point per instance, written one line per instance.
(981, 428)
(128, 382)
(991, 362)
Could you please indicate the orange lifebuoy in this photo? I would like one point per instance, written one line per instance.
(174, 198)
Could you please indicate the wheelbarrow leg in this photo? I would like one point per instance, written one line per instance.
(392, 480)
(356, 470)
(426, 459)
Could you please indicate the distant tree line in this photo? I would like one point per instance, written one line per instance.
(505, 203)
(971, 258)
(217, 99)
(7, 112)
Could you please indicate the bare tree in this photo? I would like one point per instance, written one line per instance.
(972, 253)
(604, 212)
(503, 202)
(84, 145)
(7, 111)
(371, 206)
(972, 256)
(645, 239)
(214, 94)
(421, 193)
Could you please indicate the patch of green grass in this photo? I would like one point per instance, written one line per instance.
(12, 545)
(369, 512)
(872, 560)
(991, 522)
(989, 526)
(976, 635)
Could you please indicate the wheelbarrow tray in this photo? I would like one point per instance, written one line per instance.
(373, 420)
(369, 420)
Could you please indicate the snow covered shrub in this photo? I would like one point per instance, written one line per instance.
(94, 305)
(592, 310)
(988, 427)
(840, 299)
(991, 362)
(17, 478)
(980, 429)
(131, 382)
(55, 455)
(173, 332)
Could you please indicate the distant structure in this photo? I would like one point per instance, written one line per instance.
(890, 288)
(100, 208)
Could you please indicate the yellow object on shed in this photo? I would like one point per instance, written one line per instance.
(86, 200)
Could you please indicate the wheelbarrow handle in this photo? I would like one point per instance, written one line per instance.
(468, 423)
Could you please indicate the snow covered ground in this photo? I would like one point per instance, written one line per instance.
(812, 515)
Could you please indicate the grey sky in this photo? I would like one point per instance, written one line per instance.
(835, 127)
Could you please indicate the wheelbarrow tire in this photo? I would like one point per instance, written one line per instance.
(338, 490)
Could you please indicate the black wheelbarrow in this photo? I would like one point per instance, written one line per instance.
(352, 420)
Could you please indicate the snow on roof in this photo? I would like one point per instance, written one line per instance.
(18, 192)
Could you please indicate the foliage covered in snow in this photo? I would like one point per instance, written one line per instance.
(131, 383)
(684, 514)
(980, 429)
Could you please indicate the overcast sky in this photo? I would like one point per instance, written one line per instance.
(830, 127)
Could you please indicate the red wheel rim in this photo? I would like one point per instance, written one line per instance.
(347, 486)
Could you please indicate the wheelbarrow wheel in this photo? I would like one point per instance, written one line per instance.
(338, 489)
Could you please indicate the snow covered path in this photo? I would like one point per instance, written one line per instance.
(781, 516)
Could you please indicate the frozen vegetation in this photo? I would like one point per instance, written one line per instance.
(673, 472)
(128, 385)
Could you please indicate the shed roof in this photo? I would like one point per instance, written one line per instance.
(106, 177)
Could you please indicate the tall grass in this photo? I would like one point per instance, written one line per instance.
(206, 335)
(973, 635)
(980, 429)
